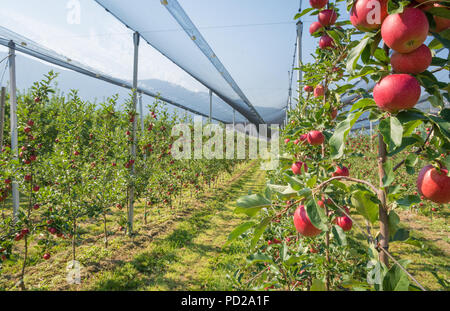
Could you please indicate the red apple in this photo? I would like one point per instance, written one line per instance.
(326, 42)
(367, 15)
(319, 91)
(303, 223)
(341, 171)
(297, 167)
(308, 88)
(405, 32)
(345, 223)
(414, 63)
(434, 185)
(315, 26)
(318, 4)
(327, 17)
(396, 92)
(315, 138)
(46, 256)
(287, 140)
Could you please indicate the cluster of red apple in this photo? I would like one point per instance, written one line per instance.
(325, 18)
(405, 34)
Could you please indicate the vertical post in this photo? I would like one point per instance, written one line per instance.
(299, 52)
(13, 121)
(2, 116)
(234, 118)
(136, 38)
(210, 106)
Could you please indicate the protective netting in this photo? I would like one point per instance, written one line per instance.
(184, 102)
(191, 52)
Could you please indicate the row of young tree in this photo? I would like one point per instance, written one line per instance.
(297, 231)
(76, 163)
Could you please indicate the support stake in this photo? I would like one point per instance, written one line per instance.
(136, 38)
(13, 121)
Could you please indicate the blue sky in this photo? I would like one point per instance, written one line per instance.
(253, 38)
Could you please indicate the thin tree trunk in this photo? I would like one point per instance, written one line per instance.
(105, 229)
(74, 239)
(383, 213)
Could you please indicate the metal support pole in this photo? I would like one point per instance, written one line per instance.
(13, 121)
(234, 118)
(136, 38)
(2, 117)
(299, 53)
(210, 105)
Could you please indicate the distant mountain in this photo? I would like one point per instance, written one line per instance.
(30, 70)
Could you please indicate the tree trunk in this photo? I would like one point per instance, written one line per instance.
(383, 213)
(105, 229)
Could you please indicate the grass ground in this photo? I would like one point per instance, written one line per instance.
(182, 248)
(179, 249)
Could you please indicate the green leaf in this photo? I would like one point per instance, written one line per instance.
(392, 131)
(437, 61)
(336, 142)
(389, 173)
(312, 181)
(442, 124)
(395, 279)
(284, 192)
(294, 182)
(339, 235)
(304, 193)
(316, 215)
(396, 131)
(396, 7)
(259, 230)
(394, 221)
(356, 52)
(363, 103)
(409, 200)
(251, 204)
(400, 235)
(439, 11)
(380, 54)
(239, 230)
(305, 11)
(410, 162)
(259, 257)
(366, 205)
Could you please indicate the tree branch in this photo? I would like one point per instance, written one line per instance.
(374, 189)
